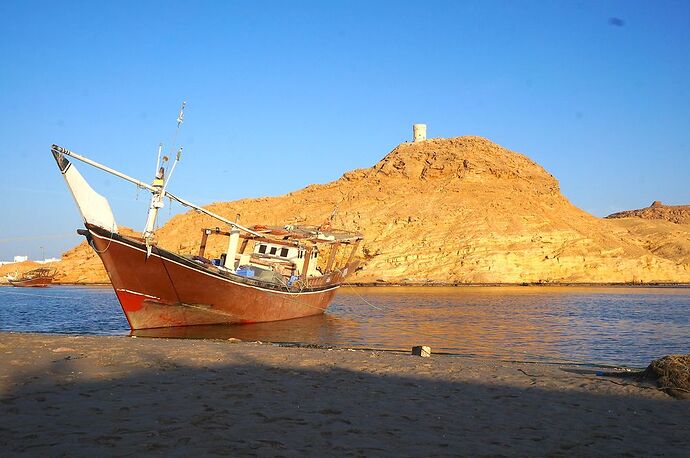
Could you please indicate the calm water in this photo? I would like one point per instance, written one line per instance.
(620, 326)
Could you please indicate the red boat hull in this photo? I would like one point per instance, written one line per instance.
(32, 282)
(165, 289)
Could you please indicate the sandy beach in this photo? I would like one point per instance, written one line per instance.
(95, 396)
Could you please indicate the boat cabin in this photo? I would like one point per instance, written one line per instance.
(295, 255)
(286, 255)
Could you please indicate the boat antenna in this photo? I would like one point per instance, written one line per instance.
(180, 120)
(172, 169)
(158, 159)
(180, 116)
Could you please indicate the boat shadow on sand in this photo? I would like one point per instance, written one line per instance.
(132, 396)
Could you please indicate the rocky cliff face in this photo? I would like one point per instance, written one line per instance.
(679, 214)
(461, 210)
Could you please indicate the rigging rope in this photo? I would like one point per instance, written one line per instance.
(110, 241)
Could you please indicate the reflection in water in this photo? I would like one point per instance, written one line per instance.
(603, 325)
(320, 328)
(591, 325)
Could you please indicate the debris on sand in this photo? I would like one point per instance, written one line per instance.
(672, 374)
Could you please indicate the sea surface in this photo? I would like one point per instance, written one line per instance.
(607, 326)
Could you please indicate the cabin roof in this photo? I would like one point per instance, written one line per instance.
(309, 233)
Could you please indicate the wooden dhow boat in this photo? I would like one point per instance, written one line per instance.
(265, 274)
(41, 277)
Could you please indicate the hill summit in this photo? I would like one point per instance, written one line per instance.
(679, 214)
(458, 210)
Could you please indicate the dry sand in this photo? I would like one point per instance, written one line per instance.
(95, 396)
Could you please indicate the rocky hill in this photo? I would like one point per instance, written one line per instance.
(459, 210)
(679, 214)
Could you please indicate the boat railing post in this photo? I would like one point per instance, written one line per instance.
(305, 265)
(243, 247)
(332, 255)
(232, 248)
(352, 253)
(204, 239)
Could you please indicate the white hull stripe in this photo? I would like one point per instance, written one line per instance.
(137, 293)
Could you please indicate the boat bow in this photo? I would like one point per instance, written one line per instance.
(94, 208)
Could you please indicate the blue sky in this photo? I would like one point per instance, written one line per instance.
(284, 94)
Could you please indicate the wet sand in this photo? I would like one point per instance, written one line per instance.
(95, 396)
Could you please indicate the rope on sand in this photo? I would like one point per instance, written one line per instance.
(672, 375)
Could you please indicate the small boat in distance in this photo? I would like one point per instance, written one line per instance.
(41, 277)
(265, 274)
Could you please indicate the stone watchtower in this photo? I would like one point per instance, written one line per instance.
(418, 132)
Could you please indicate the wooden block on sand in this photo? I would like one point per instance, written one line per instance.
(422, 351)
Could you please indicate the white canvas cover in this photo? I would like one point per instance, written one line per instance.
(94, 208)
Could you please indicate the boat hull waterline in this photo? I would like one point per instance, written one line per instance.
(40, 282)
(165, 289)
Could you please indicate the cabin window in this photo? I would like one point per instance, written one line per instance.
(284, 252)
(273, 250)
(262, 248)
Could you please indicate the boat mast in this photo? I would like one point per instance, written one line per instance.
(141, 184)
(159, 184)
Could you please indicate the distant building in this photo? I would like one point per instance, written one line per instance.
(418, 132)
(26, 258)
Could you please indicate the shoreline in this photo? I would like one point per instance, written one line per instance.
(511, 285)
(164, 334)
(464, 285)
(117, 394)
